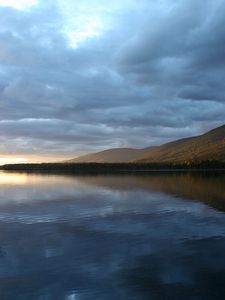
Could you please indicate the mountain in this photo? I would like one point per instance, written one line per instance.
(209, 146)
(116, 155)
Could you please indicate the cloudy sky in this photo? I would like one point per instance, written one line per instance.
(85, 75)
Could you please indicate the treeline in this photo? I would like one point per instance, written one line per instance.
(98, 168)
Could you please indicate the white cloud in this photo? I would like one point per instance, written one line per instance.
(88, 27)
(18, 4)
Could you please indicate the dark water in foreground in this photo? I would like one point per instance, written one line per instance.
(160, 236)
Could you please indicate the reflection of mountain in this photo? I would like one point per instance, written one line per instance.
(83, 237)
(209, 146)
(206, 187)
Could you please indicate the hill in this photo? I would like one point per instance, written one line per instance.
(117, 155)
(209, 146)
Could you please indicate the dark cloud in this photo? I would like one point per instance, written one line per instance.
(155, 72)
(183, 51)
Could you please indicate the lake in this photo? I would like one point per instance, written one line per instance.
(155, 236)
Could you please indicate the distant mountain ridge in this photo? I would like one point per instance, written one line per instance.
(116, 155)
(208, 146)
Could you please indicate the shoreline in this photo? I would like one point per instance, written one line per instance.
(113, 168)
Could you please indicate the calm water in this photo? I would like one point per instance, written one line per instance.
(160, 236)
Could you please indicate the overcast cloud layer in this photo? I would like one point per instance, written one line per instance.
(79, 76)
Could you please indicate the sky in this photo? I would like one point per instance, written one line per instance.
(87, 75)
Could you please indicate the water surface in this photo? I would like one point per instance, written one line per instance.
(158, 236)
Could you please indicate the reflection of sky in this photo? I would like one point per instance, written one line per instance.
(67, 241)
